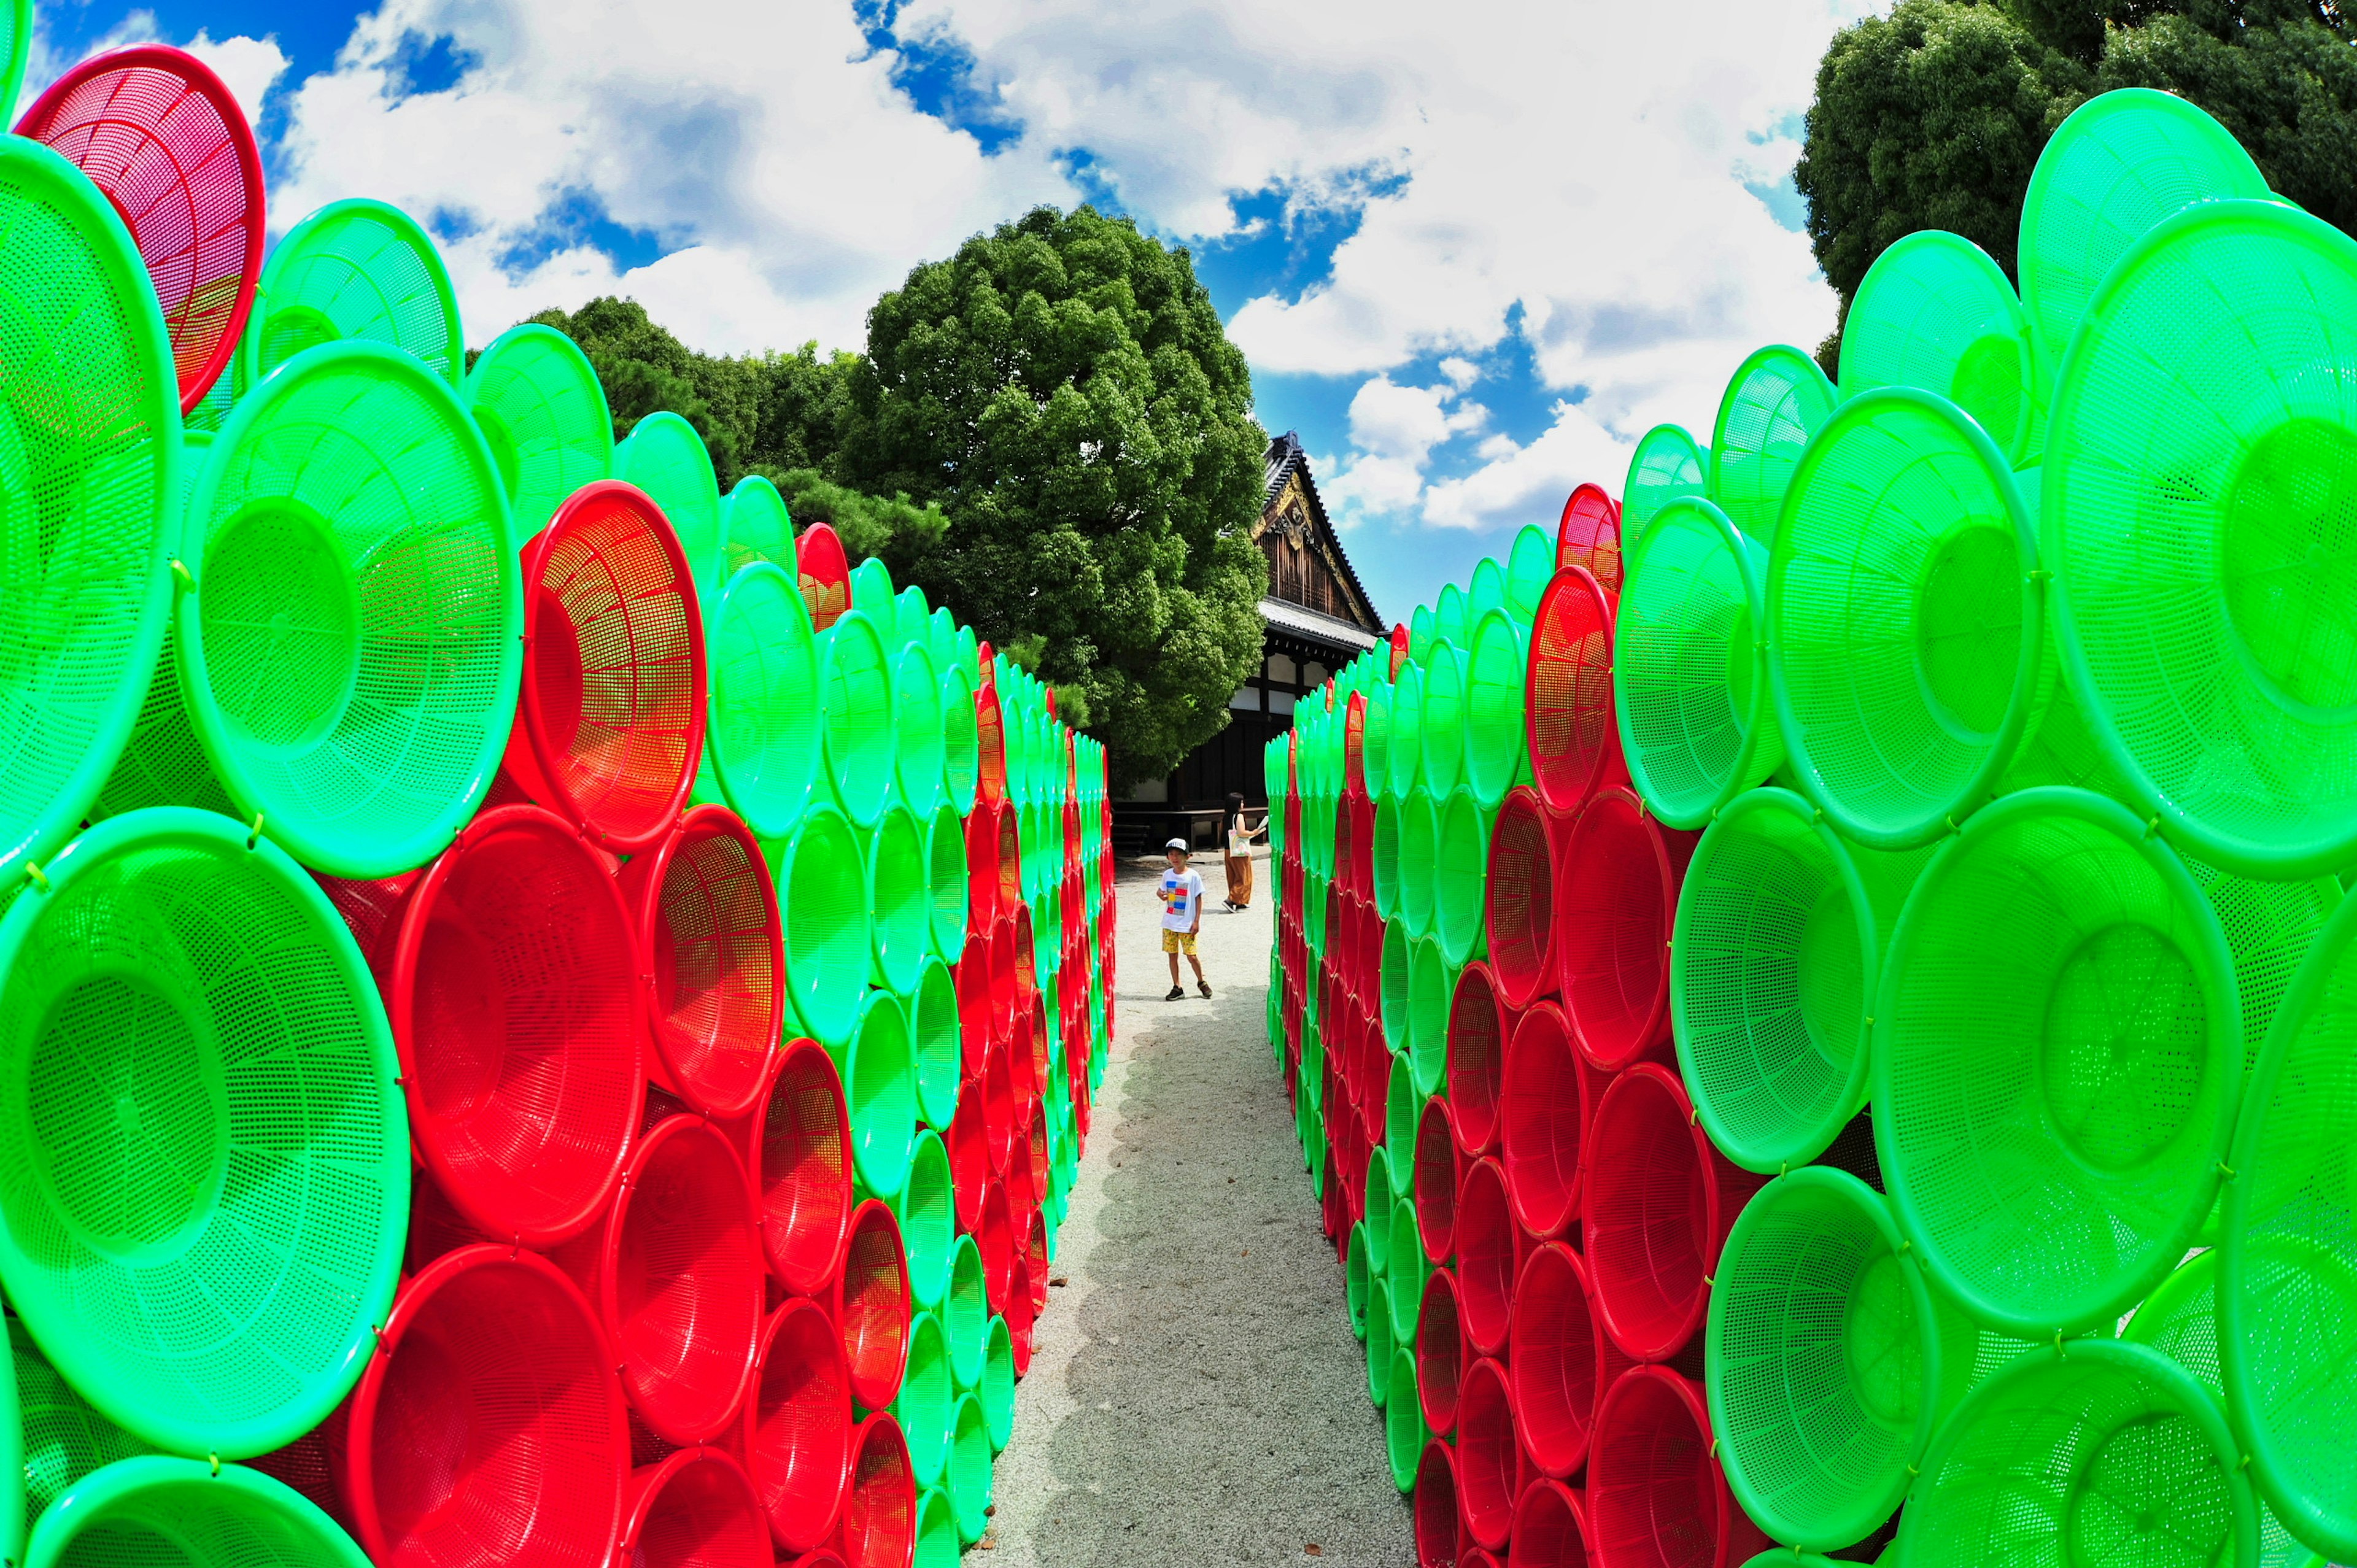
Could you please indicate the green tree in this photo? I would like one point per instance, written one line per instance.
(1063, 390)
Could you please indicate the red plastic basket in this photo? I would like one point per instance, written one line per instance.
(695, 1510)
(1518, 899)
(706, 913)
(1018, 1312)
(797, 1433)
(1660, 1201)
(1568, 715)
(969, 1151)
(609, 718)
(1354, 743)
(824, 573)
(489, 1413)
(1026, 974)
(513, 997)
(1485, 1257)
(1479, 1028)
(1004, 991)
(1040, 1174)
(676, 1270)
(982, 910)
(1656, 1497)
(1437, 1156)
(1439, 1352)
(975, 1005)
(1487, 1456)
(1551, 1529)
(1434, 1503)
(1589, 536)
(798, 1150)
(1010, 874)
(995, 1238)
(1559, 1360)
(1543, 1118)
(999, 1107)
(872, 1305)
(157, 132)
(880, 1501)
(1616, 899)
(1022, 1197)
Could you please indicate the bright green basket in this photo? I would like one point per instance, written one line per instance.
(950, 889)
(542, 414)
(2089, 1452)
(927, 1402)
(856, 716)
(1420, 633)
(2056, 1062)
(1381, 1193)
(1440, 722)
(965, 1312)
(352, 647)
(2200, 459)
(1403, 1108)
(189, 1036)
(1403, 758)
(1529, 567)
(1905, 620)
(1384, 852)
(900, 900)
(1395, 980)
(997, 1388)
(938, 1041)
(1461, 876)
(879, 1086)
(54, 1440)
(823, 903)
(1405, 1432)
(1690, 686)
(920, 748)
(1449, 619)
(355, 269)
(755, 526)
(2123, 162)
(1781, 929)
(1774, 403)
(2287, 1284)
(665, 457)
(1935, 312)
(961, 741)
(16, 45)
(1419, 848)
(1484, 591)
(1829, 1362)
(157, 1512)
(928, 1209)
(1668, 462)
(761, 731)
(1497, 751)
(91, 464)
(936, 1544)
(872, 593)
(970, 1481)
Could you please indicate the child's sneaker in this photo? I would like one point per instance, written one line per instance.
(1205, 987)
(1177, 993)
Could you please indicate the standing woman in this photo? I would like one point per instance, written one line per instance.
(1240, 842)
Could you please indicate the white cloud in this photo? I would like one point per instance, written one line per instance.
(248, 67)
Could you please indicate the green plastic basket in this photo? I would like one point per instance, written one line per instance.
(2120, 164)
(1405, 1432)
(1440, 721)
(1460, 876)
(936, 1543)
(823, 903)
(1420, 633)
(755, 526)
(1781, 929)
(928, 1209)
(53, 1442)
(920, 745)
(1410, 1271)
(665, 457)
(1403, 1110)
(2271, 927)
(1935, 312)
(1529, 567)
(926, 1400)
(997, 1389)
(1449, 619)
(965, 1312)
(1404, 756)
(961, 741)
(2201, 457)
(1383, 852)
(1690, 687)
(1396, 1011)
(352, 647)
(938, 1040)
(1355, 1278)
(1829, 1361)
(2089, 1452)
(872, 592)
(899, 901)
(356, 269)
(1379, 1346)
(158, 1512)
(856, 716)
(1668, 462)
(1419, 847)
(970, 1481)
(913, 619)
(1381, 1193)
(187, 1037)
(879, 1086)
(1905, 620)
(2287, 1284)
(1484, 591)
(91, 463)
(16, 44)
(1774, 403)
(2056, 1062)
(761, 729)
(542, 414)
(1496, 752)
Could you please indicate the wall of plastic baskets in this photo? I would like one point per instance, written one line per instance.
(546, 1017)
(1818, 1001)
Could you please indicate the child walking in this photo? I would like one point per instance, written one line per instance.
(1181, 892)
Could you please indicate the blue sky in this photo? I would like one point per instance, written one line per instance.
(1471, 265)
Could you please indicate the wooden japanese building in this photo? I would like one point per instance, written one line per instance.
(1317, 617)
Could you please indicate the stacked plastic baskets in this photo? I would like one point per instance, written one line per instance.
(544, 1018)
(1818, 1002)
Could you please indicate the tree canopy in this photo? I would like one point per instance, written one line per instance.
(1049, 434)
(1934, 116)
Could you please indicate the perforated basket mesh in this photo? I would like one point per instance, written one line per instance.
(706, 915)
(1774, 403)
(1419, 869)
(2119, 166)
(1441, 720)
(1431, 981)
(823, 574)
(880, 1084)
(1558, 1358)
(873, 1305)
(56, 1440)
(919, 746)
(15, 43)
(1654, 1490)
(356, 269)
(1668, 462)
(823, 898)
(856, 716)
(543, 413)
(797, 1437)
(1486, 1454)
(1477, 1049)
(665, 457)
(1905, 624)
(2199, 466)
(490, 1411)
(937, 1040)
(1572, 739)
(755, 526)
(879, 1504)
(2100, 1450)
(351, 656)
(961, 741)
(900, 900)
(798, 1149)
(1616, 898)
(1460, 869)
(1542, 1118)
(2055, 1062)
(1586, 536)
(186, 1028)
(1496, 670)
(1518, 920)
(1935, 312)
(926, 1404)
(763, 731)
(695, 1509)
(1690, 682)
(179, 1511)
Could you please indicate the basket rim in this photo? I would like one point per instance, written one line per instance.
(290, 248)
(2000, 295)
(60, 1523)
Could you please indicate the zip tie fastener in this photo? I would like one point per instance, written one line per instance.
(255, 837)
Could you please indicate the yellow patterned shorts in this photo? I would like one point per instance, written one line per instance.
(1179, 941)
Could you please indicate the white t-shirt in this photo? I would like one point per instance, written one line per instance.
(1184, 889)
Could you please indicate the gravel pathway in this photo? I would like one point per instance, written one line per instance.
(1196, 1396)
